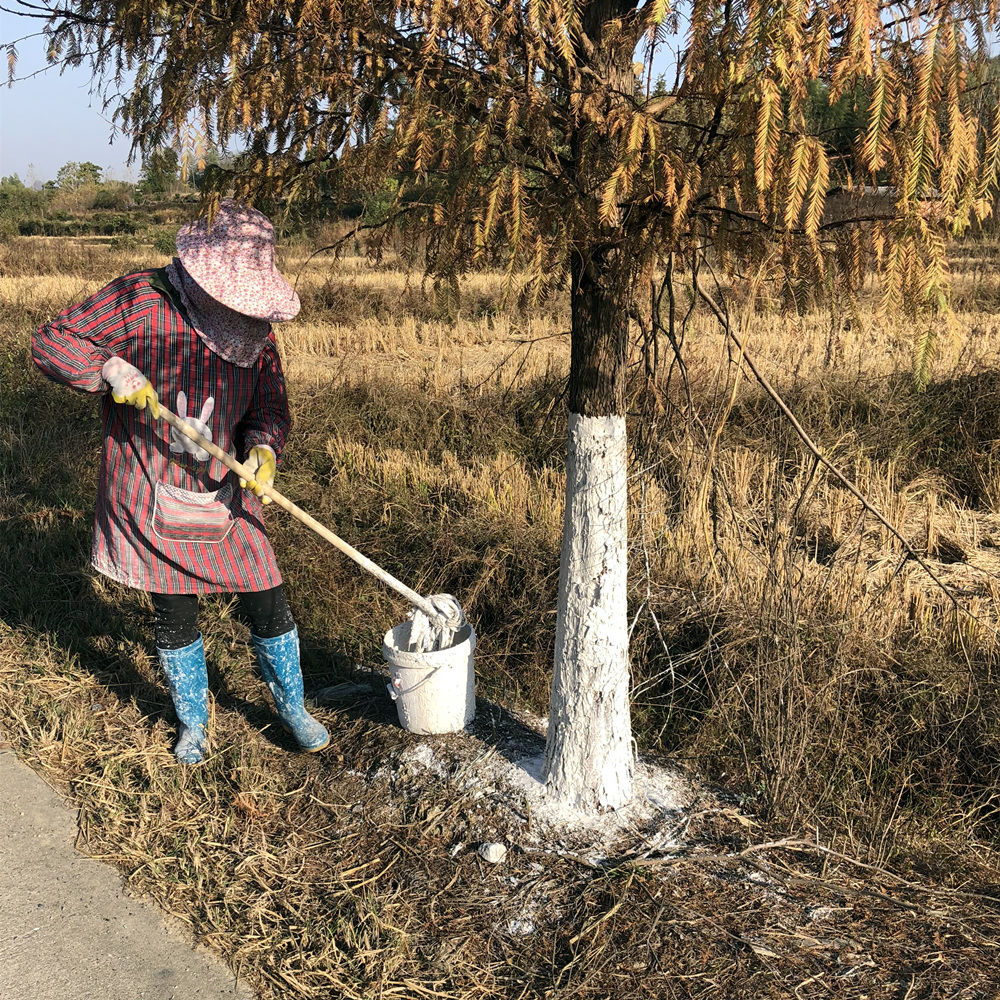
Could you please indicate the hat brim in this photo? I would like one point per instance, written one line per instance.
(262, 293)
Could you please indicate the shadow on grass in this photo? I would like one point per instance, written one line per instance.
(504, 571)
(49, 590)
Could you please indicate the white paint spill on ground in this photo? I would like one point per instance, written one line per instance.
(658, 794)
(510, 775)
(508, 818)
(422, 757)
(520, 927)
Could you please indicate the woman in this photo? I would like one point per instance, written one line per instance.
(169, 519)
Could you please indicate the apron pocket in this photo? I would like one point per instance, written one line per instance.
(182, 516)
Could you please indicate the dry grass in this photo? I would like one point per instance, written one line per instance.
(781, 643)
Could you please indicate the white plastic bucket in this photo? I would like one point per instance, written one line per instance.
(434, 692)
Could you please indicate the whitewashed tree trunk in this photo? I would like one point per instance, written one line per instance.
(589, 759)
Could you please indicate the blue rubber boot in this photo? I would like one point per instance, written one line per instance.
(187, 676)
(279, 663)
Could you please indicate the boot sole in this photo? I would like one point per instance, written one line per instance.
(316, 749)
(322, 746)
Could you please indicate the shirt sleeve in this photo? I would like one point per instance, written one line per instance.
(72, 348)
(268, 420)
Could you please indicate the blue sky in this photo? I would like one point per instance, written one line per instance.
(49, 118)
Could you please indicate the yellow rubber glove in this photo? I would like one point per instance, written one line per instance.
(263, 464)
(129, 385)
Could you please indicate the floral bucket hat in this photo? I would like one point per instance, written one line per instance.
(233, 261)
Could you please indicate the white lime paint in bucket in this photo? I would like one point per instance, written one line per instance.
(435, 692)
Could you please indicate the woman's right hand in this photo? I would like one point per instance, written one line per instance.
(262, 463)
(129, 385)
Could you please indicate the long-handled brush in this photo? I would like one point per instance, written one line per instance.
(435, 619)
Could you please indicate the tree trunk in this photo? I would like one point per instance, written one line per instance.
(589, 758)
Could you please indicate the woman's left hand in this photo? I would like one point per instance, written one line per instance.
(262, 463)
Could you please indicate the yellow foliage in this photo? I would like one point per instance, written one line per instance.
(523, 129)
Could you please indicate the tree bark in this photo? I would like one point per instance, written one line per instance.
(589, 756)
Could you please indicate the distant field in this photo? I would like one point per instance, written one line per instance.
(782, 646)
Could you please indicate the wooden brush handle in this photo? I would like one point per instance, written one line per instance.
(299, 514)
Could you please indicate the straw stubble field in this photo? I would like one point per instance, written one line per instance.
(839, 705)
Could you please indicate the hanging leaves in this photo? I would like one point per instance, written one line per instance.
(819, 182)
(798, 181)
(768, 133)
(879, 119)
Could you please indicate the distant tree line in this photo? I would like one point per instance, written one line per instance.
(82, 201)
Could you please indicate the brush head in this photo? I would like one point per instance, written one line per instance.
(429, 634)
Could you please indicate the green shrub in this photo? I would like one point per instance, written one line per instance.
(165, 242)
(18, 202)
(117, 225)
(124, 241)
(53, 227)
(116, 197)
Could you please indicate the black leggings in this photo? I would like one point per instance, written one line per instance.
(176, 616)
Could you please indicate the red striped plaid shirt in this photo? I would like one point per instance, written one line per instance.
(163, 522)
